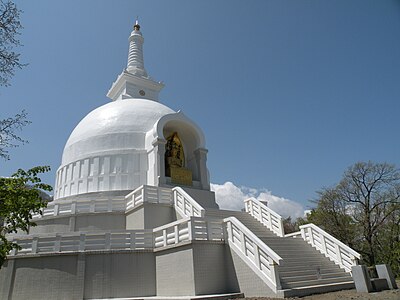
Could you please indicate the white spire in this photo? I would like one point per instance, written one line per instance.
(135, 56)
(134, 82)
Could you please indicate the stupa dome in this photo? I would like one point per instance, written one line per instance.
(121, 145)
(116, 126)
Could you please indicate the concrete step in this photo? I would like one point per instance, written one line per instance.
(318, 289)
(292, 278)
(301, 272)
(306, 283)
(305, 266)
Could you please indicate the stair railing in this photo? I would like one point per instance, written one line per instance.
(265, 215)
(185, 205)
(254, 252)
(148, 194)
(331, 247)
(186, 230)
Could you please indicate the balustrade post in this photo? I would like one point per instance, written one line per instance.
(281, 228)
(229, 230)
(57, 243)
(354, 260)
(190, 229)
(144, 194)
(107, 240)
(176, 233)
(165, 239)
(35, 242)
(92, 207)
(274, 274)
(73, 208)
(133, 240)
(56, 209)
(82, 240)
(303, 234)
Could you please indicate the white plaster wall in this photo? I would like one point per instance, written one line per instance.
(102, 173)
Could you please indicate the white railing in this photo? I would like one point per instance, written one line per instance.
(296, 234)
(257, 255)
(185, 205)
(81, 206)
(265, 215)
(123, 240)
(184, 230)
(188, 229)
(148, 194)
(331, 247)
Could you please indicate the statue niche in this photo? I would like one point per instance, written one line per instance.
(175, 161)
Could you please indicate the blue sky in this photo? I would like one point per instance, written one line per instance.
(288, 93)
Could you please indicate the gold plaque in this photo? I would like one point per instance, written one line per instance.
(181, 176)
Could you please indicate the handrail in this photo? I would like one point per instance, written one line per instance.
(265, 215)
(296, 234)
(148, 194)
(330, 246)
(188, 229)
(257, 255)
(185, 205)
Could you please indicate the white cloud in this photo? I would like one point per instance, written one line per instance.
(231, 197)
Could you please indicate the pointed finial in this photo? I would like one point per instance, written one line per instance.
(136, 26)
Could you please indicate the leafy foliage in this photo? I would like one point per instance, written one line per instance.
(8, 137)
(363, 211)
(20, 197)
(10, 26)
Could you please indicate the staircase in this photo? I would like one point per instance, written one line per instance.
(304, 270)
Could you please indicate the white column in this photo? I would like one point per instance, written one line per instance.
(201, 161)
(159, 164)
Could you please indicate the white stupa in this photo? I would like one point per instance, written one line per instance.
(133, 217)
(120, 146)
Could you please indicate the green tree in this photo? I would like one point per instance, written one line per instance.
(362, 210)
(20, 197)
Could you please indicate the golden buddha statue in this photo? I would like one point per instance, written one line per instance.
(174, 155)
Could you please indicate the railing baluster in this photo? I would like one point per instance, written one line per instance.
(176, 233)
(165, 239)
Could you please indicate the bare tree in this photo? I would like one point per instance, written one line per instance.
(363, 211)
(373, 190)
(10, 27)
(8, 136)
